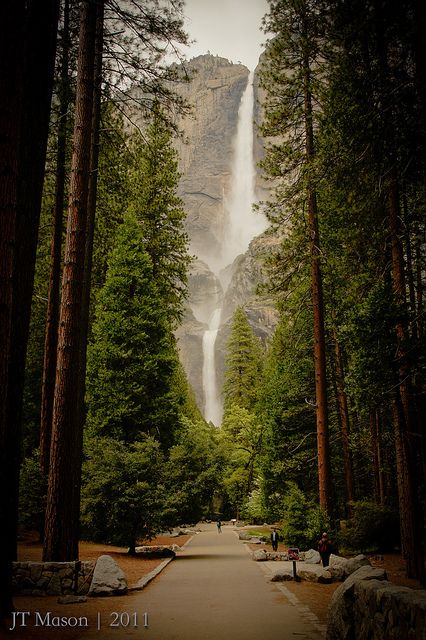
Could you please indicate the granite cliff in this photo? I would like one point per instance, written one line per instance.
(206, 159)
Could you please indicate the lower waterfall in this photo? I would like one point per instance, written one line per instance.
(213, 405)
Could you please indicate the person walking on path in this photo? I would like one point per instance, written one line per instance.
(324, 548)
(219, 526)
(275, 539)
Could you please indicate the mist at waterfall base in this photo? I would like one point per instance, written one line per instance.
(242, 224)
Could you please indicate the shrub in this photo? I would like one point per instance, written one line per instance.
(372, 527)
(304, 519)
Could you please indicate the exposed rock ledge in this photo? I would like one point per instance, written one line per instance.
(368, 607)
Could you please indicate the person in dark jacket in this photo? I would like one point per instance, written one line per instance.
(324, 549)
(275, 538)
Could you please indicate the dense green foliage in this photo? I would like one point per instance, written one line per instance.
(154, 180)
(193, 473)
(123, 490)
(132, 357)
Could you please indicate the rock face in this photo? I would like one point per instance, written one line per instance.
(341, 607)
(215, 92)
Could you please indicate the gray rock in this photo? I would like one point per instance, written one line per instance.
(36, 569)
(337, 573)
(312, 557)
(341, 621)
(353, 564)
(108, 579)
(260, 555)
(55, 587)
(255, 541)
(313, 573)
(337, 561)
(243, 535)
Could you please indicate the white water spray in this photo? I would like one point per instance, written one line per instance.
(241, 227)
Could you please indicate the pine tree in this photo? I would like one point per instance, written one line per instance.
(243, 364)
(132, 358)
(290, 76)
(157, 206)
(61, 533)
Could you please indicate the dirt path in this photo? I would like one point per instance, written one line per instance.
(212, 590)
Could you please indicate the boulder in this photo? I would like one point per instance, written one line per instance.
(313, 573)
(260, 555)
(353, 564)
(337, 561)
(108, 578)
(341, 621)
(341, 568)
(312, 557)
(337, 573)
(243, 535)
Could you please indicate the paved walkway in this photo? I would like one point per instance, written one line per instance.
(214, 591)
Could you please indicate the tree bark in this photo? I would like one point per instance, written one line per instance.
(324, 468)
(61, 529)
(90, 231)
(410, 511)
(12, 17)
(29, 38)
(52, 316)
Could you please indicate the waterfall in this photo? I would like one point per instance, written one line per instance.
(242, 225)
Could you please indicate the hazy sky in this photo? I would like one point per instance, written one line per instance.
(228, 28)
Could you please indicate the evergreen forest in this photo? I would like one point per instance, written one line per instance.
(324, 426)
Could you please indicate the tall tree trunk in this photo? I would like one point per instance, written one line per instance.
(410, 513)
(52, 316)
(324, 468)
(35, 38)
(61, 529)
(12, 19)
(90, 231)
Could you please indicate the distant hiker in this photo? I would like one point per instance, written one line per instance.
(219, 526)
(324, 548)
(275, 539)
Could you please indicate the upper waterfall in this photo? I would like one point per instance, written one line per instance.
(242, 224)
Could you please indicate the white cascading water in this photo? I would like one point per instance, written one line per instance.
(241, 227)
(212, 405)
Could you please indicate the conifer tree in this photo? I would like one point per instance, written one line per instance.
(290, 76)
(156, 205)
(243, 364)
(132, 358)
